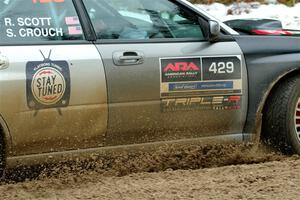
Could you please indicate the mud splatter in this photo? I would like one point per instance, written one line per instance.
(189, 172)
(168, 157)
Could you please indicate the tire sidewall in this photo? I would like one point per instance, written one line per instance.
(292, 135)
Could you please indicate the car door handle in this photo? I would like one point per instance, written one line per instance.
(130, 58)
(125, 58)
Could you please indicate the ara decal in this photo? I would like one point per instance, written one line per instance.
(180, 69)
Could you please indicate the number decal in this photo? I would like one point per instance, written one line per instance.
(230, 67)
(222, 67)
(213, 68)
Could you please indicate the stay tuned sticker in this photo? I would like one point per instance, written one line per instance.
(48, 84)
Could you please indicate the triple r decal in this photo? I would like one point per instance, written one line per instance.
(201, 103)
(47, 83)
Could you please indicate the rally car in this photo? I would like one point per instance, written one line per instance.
(83, 76)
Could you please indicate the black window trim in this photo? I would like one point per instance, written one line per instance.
(85, 20)
(147, 41)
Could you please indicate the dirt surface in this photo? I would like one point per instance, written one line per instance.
(212, 172)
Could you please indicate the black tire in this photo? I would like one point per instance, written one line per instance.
(279, 116)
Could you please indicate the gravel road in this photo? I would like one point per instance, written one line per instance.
(218, 172)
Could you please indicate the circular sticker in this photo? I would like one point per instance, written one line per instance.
(48, 86)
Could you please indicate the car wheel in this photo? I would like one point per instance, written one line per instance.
(281, 119)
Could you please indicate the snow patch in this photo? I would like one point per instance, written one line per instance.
(289, 16)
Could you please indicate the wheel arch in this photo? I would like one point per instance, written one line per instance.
(262, 105)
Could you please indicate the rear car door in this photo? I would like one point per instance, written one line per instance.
(165, 80)
(53, 88)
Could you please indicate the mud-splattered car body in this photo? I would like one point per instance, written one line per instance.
(73, 82)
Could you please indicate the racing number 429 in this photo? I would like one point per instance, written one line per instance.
(221, 67)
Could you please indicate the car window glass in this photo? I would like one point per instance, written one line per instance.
(142, 19)
(38, 20)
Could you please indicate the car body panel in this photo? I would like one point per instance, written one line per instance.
(87, 154)
(135, 104)
(267, 59)
(81, 124)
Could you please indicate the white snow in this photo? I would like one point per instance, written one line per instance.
(289, 16)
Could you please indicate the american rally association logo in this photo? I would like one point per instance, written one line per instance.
(180, 69)
(48, 83)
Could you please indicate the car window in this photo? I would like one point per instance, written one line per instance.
(38, 20)
(142, 19)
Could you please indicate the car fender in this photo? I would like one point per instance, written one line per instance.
(268, 60)
(259, 112)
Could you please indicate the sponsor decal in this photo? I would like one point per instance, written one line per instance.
(201, 103)
(193, 93)
(221, 68)
(201, 86)
(200, 76)
(180, 69)
(47, 83)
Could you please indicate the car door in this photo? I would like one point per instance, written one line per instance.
(53, 88)
(165, 80)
